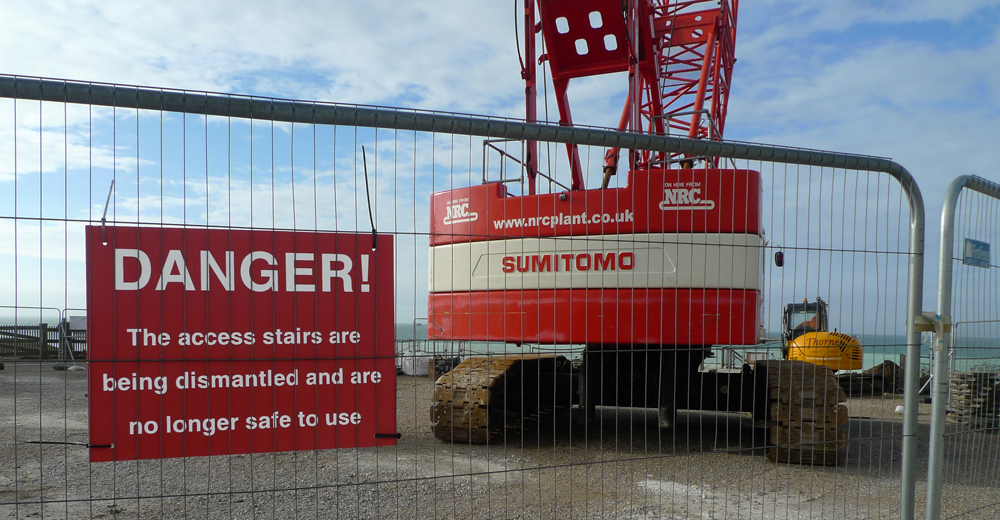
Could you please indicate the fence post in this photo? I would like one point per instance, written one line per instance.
(43, 341)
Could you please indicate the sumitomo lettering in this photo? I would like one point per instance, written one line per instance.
(258, 271)
(557, 262)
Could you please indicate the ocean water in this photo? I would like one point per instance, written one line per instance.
(973, 349)
(970, 353)
(979, 353)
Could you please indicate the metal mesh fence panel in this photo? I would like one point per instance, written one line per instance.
(603, 353)
(964, 383)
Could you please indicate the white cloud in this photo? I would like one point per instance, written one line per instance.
(813, 74)
(452, 55)
(773, 22)
(868, 79)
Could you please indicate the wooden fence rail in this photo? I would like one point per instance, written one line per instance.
(40, 341)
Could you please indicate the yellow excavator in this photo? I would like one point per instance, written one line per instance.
(807, 337)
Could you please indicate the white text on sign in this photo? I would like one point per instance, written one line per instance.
(258, 271)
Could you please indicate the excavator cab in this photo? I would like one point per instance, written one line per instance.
(803, 318)
(805, 331)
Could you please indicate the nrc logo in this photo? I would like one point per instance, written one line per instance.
(459, 213)
(682, 198)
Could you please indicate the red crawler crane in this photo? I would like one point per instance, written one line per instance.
(649, 276)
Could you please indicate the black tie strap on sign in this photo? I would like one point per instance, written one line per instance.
(104, 217)
(388, 435)
(364, 162)
(69, 443)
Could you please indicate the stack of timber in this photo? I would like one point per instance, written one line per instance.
(974, 399)
(807, 424)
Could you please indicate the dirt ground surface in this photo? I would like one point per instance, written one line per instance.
(710, 466)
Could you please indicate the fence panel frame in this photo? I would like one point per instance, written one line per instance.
(292, 111)
(944, 327)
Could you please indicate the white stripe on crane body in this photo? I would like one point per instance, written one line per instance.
(661, 260)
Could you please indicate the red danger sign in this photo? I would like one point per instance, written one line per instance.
(218, 341)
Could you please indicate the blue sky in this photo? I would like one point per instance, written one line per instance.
(916, 81)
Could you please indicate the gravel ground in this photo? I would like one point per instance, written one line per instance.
(710, 466)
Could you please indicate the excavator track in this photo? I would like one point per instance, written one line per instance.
(483, 398)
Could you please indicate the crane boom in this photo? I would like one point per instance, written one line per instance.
(679, 56)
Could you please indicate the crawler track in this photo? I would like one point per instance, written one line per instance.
(483, 398)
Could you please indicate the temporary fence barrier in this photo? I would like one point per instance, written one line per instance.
(965, 391)
(215, 221)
